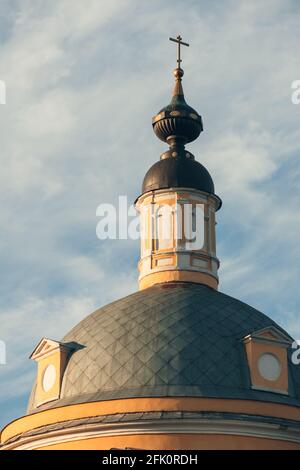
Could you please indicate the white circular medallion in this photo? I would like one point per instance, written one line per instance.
(269, 366)
(49, 377)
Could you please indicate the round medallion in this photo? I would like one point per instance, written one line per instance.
(49, 377)
(269, 366)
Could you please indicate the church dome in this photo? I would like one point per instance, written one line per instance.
(179, 339)
(178, 173)
(178, 124)
(176, 365)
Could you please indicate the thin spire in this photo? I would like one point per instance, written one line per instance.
(178, 72)
(178, 90)
(177, 123)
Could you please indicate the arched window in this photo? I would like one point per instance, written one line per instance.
(194, 226)
(164, 227)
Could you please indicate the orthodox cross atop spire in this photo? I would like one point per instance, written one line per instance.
(177, 123)
(180, 43)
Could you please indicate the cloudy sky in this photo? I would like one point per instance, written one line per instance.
(83, 80)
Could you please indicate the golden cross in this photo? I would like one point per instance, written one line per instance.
(179, 42)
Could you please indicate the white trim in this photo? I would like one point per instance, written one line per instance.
(211, 199)
(279, 337)
(269, 389)
(167, 426)
(46, 400)
(41, 351)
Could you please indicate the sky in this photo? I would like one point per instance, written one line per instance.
(83, 80)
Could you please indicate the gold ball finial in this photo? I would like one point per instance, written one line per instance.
(178, 73)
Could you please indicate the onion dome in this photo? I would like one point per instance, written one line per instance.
(177, 124)
(178, 173)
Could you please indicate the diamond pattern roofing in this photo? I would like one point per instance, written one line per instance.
(167, 340)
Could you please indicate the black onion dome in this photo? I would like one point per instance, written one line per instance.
(177, 121)
(178, 173)
(177, 124)
(178, 103)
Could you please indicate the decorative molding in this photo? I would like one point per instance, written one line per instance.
(46, 347)
(279, 337)
(273, 342)
(167, 426)
(270, 389)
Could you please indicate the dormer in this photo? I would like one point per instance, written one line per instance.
(51, 357)
(267, 357)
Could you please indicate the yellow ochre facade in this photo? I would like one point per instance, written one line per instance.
(106, 436)
(170, 256)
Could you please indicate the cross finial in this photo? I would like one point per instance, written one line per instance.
(179, 42)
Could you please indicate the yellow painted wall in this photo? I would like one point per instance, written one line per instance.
(254, 351)
(131, 405)
(172, 276)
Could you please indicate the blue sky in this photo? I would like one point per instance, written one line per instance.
(83, 81)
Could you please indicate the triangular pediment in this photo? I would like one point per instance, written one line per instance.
(270, 334)
(45, 346)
